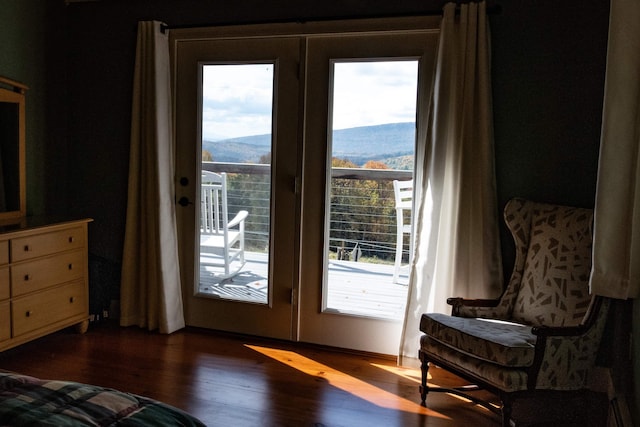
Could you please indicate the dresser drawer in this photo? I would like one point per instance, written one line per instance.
(28, 247)
(5, 321)
(4, 283)
(4, 252)
(47, 307)
(42, 273)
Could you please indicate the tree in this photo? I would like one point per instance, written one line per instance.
(362, 211)
(265, 159)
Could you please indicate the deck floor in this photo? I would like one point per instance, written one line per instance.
(357, 288)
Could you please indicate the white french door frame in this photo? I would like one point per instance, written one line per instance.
(300, 177)
(273, 319)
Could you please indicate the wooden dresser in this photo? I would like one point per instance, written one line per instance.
(43, 278)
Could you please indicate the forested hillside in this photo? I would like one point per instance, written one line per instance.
(391, 144)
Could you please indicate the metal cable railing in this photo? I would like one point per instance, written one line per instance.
(363, 216)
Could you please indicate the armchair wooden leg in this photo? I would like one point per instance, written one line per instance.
(424, 389)
(506, 411)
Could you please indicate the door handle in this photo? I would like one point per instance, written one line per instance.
(184, 201)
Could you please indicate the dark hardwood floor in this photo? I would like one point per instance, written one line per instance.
(228, 380)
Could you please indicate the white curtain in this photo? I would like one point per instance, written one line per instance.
(457, 243)
(150, 291)
(616, 247)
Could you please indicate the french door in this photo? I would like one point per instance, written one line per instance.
(283, 173)
(221, 92)
(380, 79)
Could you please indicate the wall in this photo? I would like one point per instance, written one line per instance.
(548, 90)
(32, 45)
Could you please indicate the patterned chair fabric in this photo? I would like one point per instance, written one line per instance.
(554, 289)
(503, 344)
(552, 265)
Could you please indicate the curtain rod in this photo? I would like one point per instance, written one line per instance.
(492, 10)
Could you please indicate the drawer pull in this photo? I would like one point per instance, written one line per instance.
(70, 266)
(71, 299)
(28, 313)
(27, 277)
(27, 248)
(71, 239)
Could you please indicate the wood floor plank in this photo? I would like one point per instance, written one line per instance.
(229, 380)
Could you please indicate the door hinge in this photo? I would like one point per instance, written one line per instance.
(294, 296)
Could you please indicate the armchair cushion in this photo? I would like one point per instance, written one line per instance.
(504, 343)
(512, 379)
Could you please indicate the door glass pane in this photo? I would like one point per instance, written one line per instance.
(372, 140)
(237, 110)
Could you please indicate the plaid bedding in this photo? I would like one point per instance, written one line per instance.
(28, 401)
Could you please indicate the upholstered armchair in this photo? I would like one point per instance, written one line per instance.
(542, 335)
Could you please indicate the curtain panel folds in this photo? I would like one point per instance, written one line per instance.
(457, 242)
(616, 246)
(150, 287)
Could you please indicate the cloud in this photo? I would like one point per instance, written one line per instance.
(372, 93)
(238, 98)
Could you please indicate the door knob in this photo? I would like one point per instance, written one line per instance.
(184, 201)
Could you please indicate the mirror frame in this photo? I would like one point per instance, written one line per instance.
(14, 92)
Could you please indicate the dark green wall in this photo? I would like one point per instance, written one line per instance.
(32, 52)
(548, 83)
(17, 63)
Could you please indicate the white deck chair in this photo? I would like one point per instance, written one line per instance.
(403, 191)
(221, 240)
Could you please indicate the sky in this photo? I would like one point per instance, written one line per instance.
(237, 98)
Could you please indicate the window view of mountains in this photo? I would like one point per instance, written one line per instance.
(391, 144)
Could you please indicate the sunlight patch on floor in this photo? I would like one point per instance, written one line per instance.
(345, 382)
(410, 374)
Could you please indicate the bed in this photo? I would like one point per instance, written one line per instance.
(26, 400)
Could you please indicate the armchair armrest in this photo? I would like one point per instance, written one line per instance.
(240, 216)
(473, 307)
(579, 345)
(457, 301)
(549, 340)
(559, 331)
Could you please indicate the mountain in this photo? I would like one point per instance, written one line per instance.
(388, 143)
